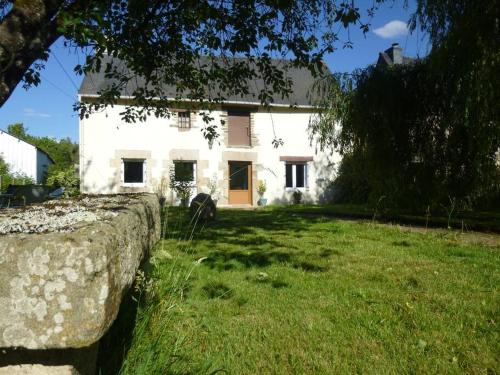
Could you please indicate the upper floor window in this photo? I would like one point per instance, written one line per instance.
(184, 119)
(134, 172)
(296, 175)
(238, 128)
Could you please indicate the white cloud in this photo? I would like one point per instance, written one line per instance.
(30, 112)
(392, 29)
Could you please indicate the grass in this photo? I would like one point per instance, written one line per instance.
(462, 220)
(278, 291)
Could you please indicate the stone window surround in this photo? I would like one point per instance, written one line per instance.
(144, 173)
(174, 119)
(184, 119)
(116, 163)
(188, 155)
(195, 168)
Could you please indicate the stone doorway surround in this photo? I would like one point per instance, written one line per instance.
(228, 156)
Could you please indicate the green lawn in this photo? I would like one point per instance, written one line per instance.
(280, 292)
(462, 220)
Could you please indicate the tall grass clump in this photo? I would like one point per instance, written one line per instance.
(159, 291)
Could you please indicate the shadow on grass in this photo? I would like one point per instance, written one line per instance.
(256, 236)
(218, 259)
(401, 243)
(232, 225)
(309, 266)
(278, 284)
(217, 290)
(327, 253)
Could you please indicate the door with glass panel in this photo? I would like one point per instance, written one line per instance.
(240, 182)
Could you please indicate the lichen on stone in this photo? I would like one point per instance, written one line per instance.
(64, 289)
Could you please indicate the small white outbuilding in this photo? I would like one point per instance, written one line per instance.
(23, 157)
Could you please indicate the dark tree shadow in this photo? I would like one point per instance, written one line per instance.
(252, 239)
(217, 259)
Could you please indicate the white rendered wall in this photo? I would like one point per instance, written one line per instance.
(21, 156)
(42, 164)
(104, 137)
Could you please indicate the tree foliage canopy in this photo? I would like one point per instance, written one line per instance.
(162, 42)
(424, 133)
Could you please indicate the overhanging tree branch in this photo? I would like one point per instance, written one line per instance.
(26, 33)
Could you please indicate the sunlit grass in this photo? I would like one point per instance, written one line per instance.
(274, 291)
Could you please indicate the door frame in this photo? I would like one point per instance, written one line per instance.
(240, 196)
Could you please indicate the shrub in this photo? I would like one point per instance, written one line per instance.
(213, 189)
(66, 178)
(297, 197)
(182, 186)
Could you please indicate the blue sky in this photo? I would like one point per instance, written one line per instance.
(47, 110)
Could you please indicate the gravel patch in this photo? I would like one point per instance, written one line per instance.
(62, 215)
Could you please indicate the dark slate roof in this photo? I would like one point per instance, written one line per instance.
(384, 58)
(394, 56)
(302, 81)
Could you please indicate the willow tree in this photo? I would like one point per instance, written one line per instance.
(425, 133)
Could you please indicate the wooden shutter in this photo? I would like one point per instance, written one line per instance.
(238, 128)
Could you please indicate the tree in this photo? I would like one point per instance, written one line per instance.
(423, 133)
(18, 130)
(190, 44)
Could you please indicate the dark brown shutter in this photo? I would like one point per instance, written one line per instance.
(238, 128)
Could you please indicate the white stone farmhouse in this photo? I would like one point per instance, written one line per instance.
(23, 157)
(120, 157)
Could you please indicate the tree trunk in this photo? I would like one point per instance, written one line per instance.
(26, 33)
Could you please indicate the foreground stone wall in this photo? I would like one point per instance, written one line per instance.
(63, 290)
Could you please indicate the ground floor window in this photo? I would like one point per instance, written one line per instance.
(185, 171)
(133, 171)
(296, 175)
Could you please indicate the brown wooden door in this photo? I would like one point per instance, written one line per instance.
(238, 128)
(240, 182)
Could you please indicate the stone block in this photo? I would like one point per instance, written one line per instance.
(63, 290)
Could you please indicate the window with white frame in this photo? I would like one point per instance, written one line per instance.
(296, 175)
(133, 172)
(185, 171)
